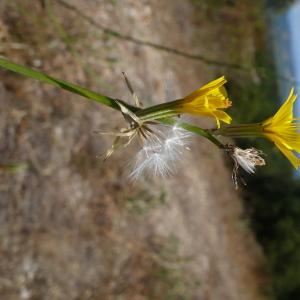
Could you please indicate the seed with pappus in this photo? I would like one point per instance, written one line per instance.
(159, 156)
(247, 159)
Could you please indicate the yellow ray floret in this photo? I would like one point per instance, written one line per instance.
(207, 101)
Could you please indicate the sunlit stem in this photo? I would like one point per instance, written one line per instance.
(241, 130)
(71, 87)
(195, 129)
(163, 113)
(159, 111)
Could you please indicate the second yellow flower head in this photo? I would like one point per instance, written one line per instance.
(283, 129)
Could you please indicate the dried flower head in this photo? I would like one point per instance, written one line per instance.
(136, 127)
(247, 159)
(161, 145)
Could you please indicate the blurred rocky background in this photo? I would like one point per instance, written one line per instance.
(73, 227)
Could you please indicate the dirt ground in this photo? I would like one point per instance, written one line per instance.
(73, 227)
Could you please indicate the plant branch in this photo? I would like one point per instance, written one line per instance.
(194, 129)
(28, 72)
(74, 88)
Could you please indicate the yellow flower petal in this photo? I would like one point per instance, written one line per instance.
(285, 112)
(295, 161)
(215, 88)
(223, 116)
(284, 131)
(206, 101)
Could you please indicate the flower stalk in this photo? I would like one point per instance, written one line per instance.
(196, 130)
(240, 130)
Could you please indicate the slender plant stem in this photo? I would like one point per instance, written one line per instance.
(71, 87)
(240, 130)
(194, 129)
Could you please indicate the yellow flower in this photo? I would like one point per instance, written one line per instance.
(282, 129)
(206, 101)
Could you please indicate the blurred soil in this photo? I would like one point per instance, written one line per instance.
(72, 227)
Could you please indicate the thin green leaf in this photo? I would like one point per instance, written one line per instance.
(28, 72)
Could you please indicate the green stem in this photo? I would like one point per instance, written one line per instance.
(240, 130)
(195, 129)
(158, 110)
(74, 88)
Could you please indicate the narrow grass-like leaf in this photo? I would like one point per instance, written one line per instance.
(74, 88)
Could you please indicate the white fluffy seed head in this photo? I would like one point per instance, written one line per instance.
(160, 154)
